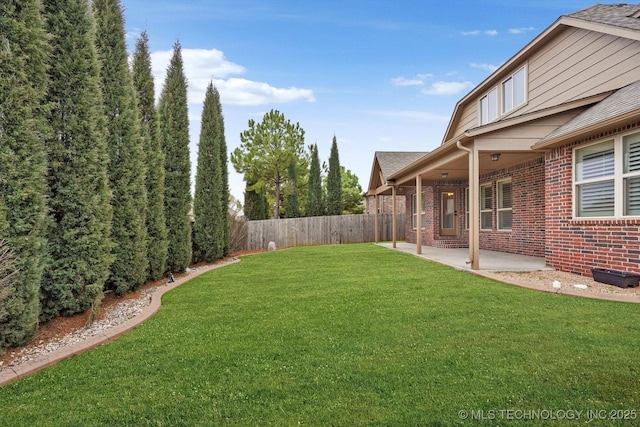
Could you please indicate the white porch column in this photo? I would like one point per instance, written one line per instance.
(418, 209)
(393, 215)
(377, 226)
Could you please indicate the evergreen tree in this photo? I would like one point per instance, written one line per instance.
(352, 195)
(266, 151)
(224, 185)
(209, 206)
(154, 159)
(23, 60)
(127, 168)
(315, 205)
(174, 134)
(292, 204)
(334, 182)
(79, 210)
(256, 206)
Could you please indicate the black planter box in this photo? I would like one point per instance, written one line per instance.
(622, 279)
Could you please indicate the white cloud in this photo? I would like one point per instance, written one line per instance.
(487, 67)
(520, 30)
(447, 88)
(478, 32)
(202, 66)
(402, 81)
(414, 115)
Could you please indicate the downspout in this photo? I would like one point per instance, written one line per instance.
(471, 174)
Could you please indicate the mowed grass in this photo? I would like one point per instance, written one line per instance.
(345, 335)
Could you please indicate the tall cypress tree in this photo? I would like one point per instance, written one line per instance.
(225, 226)
(80, 213)
(127, 169)
(23, 61)
(315, 205)
(174, 134)
(208, 207)
(154, 159)
(256, 206)
(334, 182)
(292, 206)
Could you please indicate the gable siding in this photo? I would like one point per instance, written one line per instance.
(573, 65)
(580, 64)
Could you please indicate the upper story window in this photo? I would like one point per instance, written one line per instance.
(513, 91)
(489, 107)
(505, 97)
(607, 178)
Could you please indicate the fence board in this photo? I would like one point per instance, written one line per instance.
(321, 230)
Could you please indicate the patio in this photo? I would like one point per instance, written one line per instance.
(489, 260)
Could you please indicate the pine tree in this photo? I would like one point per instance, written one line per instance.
(255, 203)
(174, 134)
(23, 59)
(292, 206)
(79, 210)
(315, 206)
(208, 207)
(334, 182)
(154, 159)
(127, 169)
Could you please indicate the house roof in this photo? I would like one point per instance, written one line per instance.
(619, 105)
(392, 161)
(619, 19)
(386, 163)
(617, 14)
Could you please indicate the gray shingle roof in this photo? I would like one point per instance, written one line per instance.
(622, 101)
(392, 161)
(616, 14)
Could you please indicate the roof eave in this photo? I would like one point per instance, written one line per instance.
(596, 127)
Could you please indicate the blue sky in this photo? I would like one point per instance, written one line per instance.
(378, 74)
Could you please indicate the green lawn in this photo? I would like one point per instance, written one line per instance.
(347, 335)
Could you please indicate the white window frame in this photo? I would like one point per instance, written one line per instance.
(466, 208)
(501, 210)
(483, 208)
(619, 176)
(507, 106)
(489, 106)
(414, 211)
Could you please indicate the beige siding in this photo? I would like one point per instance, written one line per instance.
(531, 131)
(578, 64)
(575, 64)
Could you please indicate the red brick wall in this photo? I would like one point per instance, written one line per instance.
(386, 204)
(577, 245)
(527, 236)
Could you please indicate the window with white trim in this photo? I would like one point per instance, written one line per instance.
(414, 211)
(607, 178)
(514, 91)
(486, 207)
(489, 107)
(504, 209)
(466, 208)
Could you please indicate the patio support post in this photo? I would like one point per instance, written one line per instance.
(393, 214)
(377, 213)
(474, 205)
(418, 209)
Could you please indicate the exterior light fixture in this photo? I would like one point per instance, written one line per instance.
(494, 157)
(444, 175)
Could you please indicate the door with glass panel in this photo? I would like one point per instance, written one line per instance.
(448, 214)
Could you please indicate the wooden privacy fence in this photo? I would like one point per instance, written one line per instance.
(321, 230)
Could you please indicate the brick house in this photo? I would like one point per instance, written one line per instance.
(378, 197)
(543, 157)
